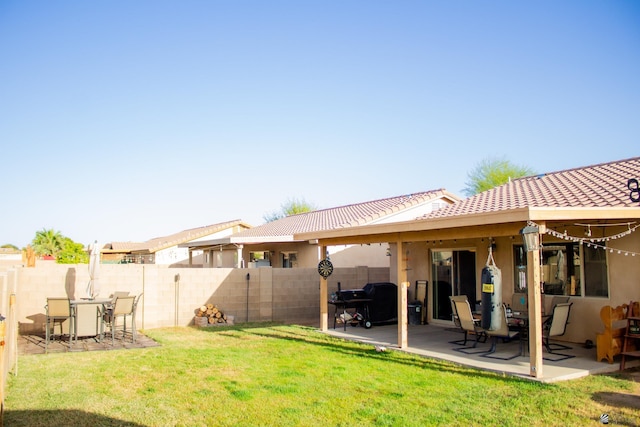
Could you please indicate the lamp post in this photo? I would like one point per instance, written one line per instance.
(530, 238)
(531, 241)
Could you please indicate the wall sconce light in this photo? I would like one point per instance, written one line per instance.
(530, 238)
(388, 251)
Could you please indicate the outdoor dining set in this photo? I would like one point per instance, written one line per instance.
(512, 323)
(92, 318)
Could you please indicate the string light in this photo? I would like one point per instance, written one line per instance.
(595, 242)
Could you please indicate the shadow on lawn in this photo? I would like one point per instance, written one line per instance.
(356, 349)
(62, 418)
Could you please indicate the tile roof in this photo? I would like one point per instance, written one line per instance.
(601, 185)
(158, 243)
(340, 217)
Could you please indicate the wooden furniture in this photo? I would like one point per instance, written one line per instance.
(631, 345)
(609, 343)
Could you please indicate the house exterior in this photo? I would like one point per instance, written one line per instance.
(274, 245)
(587, 220)
(165, 250)
(10, 256)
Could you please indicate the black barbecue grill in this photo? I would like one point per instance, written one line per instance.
(375, 303)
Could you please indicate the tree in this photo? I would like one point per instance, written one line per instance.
(9, 246)
(47, 242)
(72, 253)
(292, 206)
(491, 173)
(65, 250)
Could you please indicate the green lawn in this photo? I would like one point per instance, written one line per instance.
(274, 375)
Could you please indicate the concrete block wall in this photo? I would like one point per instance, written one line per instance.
(171, 296)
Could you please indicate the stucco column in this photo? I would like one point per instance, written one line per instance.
(535, 314)
(401, 266)
(239, 249)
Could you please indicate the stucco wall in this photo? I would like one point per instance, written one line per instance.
(284, 295)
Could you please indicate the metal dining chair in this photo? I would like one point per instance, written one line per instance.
(468, 324)
(123, 307)
(557, 327)
(503, 332)
(58, 310)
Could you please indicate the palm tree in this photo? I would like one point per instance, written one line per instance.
(47, 242)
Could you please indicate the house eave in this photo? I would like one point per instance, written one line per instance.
(506, 222)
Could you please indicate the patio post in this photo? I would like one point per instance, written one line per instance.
(324, 305)
(402, 295)
(535, 303)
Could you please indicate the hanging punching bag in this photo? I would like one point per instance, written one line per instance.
(491, 297)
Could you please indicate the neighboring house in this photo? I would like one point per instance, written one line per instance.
(273, 244)
(11, 256)
(165, 250)
(588, 221)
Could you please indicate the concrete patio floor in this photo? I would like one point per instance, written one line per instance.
(434, 341)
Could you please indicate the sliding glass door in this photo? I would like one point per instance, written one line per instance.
(453, 273)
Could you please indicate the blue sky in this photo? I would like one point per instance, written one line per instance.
(124, 121)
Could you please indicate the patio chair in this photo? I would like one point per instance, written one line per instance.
(504, 333)
(557, 300)
(557, 327)
(554, 301)
(462, 310)
(58, 310)
(118, 294)
(134, 331)
(123, 307)
(456, 320)
(520, 303)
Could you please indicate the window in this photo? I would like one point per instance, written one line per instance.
(258, 256)
(259, 259)
(595, 272)
(289, 259)
(566, 269)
